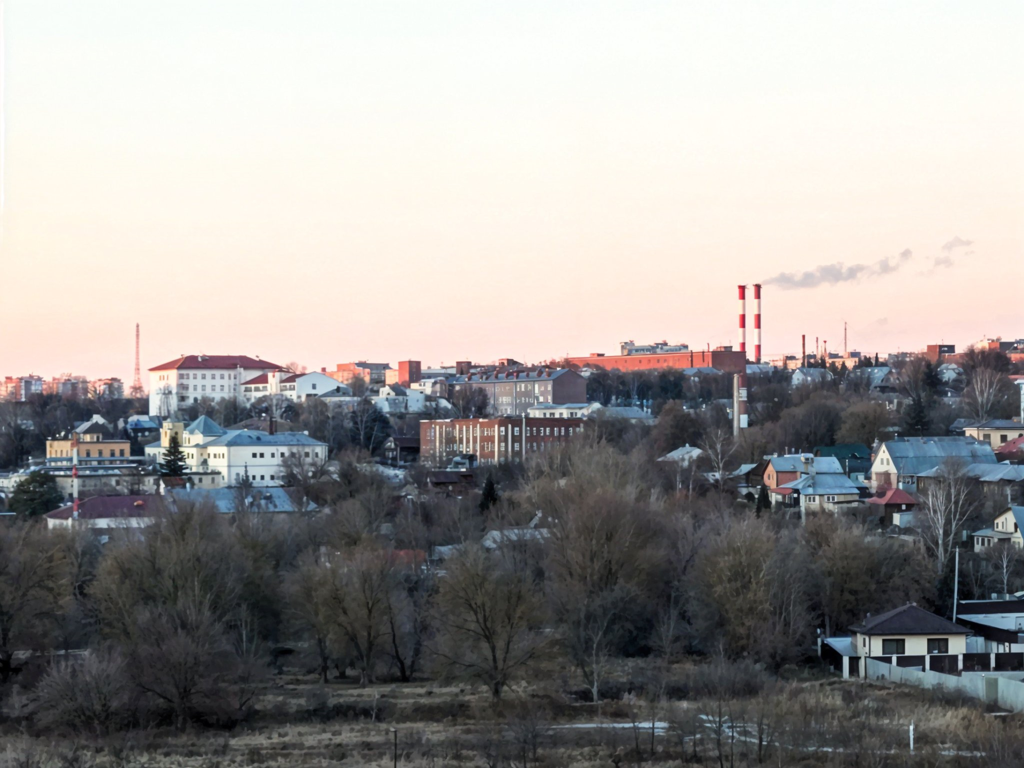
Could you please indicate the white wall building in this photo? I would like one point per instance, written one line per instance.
(223, 457)
(190, 378)
(297, 387)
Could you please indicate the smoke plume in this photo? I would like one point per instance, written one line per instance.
(831, 274)
(955, 243)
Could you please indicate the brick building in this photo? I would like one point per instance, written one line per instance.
(513, 392)
(492, 441)
(408, 373)
(371, 373)
(722, 358)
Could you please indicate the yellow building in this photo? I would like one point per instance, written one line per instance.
(95, 445)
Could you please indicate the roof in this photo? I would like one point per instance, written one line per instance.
(999, 424)
(270, 499)
(985, 473)
(258, 437)
(908, 620)
(914, 455)
(683, 455)
(205, 426)
(822, 484)
(894, 496)
(993, 533)
(621, 412)
(190, 362)
(1011, 446)
(494, 539)
(261, 379)
(843, 451)
(100, 507)
(795, 463)
(844, 645)
(520, 375)
(814, 373)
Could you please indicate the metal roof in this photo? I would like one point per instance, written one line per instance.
(257, 437)
(189, 362)
(794, 463)
(914, 455)
(206, 427)
(823, 484)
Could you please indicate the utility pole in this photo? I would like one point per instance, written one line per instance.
(846, 350)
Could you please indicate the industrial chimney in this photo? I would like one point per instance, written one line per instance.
(743, 318)
(757, 322)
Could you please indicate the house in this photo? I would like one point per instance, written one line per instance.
(803, 377)
(629, 413)
(174, 384)
(996, 432)
(297, 387)
(908, 636)
(401, 450)
(684, 456)
(899, 461)
(998, 623)
(855, 458)
(816, 491)
(504, 537)
(999, 483)
(492, 441)
(218, 457)
(561, 410)
(1005, 530)
(876, 378)
(106, 513)
(896, 507)
(785, 469)
(514, 392)
(96, 445)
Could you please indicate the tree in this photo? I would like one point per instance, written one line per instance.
(863, 423)
(33, 577)
(987, 390)
(675, 428)
(947, 504)
(1004, 561)
(488, 615)
(36, 495)
(173, 464)
(369, 428)
(718, 448)
(470, 402)
(489, 495)
(309, 591)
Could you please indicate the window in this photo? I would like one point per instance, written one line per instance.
(271, 477)
(122, 452)
(1002, 438)
(261, 454)
(894, 647)
(938, 645)
(254, 454)
(261, 477)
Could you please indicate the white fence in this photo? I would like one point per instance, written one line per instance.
(1001, 691)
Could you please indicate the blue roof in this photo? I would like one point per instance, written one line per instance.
(205, 426)
(259, 437)
(272, 499)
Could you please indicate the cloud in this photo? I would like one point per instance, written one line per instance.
(942, 261)
(832, 274)
(955, 243)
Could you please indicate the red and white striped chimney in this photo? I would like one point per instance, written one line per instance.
(74, 475)
(743, 318)
(757, 322)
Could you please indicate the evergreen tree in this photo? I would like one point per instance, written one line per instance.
(763, 501)
(915, 418)
(37, 494)
(489, 496)
(173, 464)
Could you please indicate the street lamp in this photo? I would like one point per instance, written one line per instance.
(394, 731)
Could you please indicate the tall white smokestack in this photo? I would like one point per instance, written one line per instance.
(757, 322)
(743, 318)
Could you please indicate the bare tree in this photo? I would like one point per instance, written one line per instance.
(488, 615)
(946, 505)
(987, 390)
(33, 580)
(718, 447)
(1004, 560)
(308, 591)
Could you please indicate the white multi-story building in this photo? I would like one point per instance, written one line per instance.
(297, 387)
(190, 378)
(223, 457)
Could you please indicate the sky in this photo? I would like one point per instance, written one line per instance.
(326, 181)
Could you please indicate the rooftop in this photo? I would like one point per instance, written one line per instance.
(908, 620)
(206, 362)
(101, 507)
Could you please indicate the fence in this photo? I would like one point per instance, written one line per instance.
(1003, 692)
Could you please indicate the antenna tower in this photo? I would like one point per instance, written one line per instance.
(137, 391)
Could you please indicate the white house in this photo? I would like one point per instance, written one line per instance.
(106, 513)
(297, 387)
(900, 461)
(175, 384)
(805, 376)
(218, 457)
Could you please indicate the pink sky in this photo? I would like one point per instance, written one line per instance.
(325, 181)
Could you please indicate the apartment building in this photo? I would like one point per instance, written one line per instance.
(190, 378)
(512, 393)
(492, 441)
